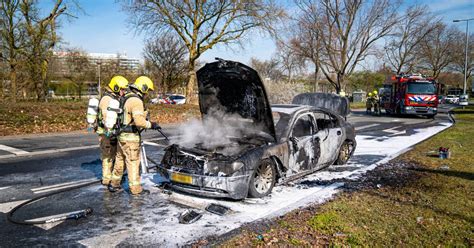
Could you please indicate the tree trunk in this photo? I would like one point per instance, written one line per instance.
(190, 96)
(13, 83)
(316, 73)
(339, 82)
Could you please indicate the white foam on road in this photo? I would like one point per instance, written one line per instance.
(13, 150)
(371, 151)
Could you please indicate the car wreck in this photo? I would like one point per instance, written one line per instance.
(265, 144)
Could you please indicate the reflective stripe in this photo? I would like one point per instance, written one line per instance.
(148, 125)
(134, 183)
(130, 137)
(100, 130)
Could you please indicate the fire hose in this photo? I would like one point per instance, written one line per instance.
(66, 216)
(72, 215)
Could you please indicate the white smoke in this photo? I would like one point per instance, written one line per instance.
(219, 131)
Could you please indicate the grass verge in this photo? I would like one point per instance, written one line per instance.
(418, 200)
(47, 117)
(357, 105)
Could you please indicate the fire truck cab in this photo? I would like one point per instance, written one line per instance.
(410, 95)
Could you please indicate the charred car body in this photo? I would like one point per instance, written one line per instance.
(270, 144)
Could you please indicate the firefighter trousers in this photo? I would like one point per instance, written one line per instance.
(128, 156)
(108, 150)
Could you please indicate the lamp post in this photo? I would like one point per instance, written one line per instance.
(98, 88)
(466, 47)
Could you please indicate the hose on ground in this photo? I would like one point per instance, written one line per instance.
(71, 215)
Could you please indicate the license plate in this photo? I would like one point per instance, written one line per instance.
(180, 178)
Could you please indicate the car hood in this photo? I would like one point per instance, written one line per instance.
(228, 88)
(332, 102)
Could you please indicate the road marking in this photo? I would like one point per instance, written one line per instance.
(70, 149)
(13, 150)
(366, 126)
(2, 188)
(55, 187)
(7, 206)
(395, 132)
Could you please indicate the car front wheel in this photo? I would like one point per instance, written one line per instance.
(263, 179)
(344, 153)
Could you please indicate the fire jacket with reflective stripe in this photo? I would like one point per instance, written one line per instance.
(134, 115)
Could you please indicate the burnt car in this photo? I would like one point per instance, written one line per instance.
(267, 144)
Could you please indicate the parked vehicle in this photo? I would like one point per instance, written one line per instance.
(177, 99)
(410, 95)
(275, 144)
(169, 99)
(453, 99)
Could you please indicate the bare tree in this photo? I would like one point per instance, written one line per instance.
(306, 42)
(42, 37)
(290, 62)
(11, 40)
(414, 26)
(79, 69)
(167, 55)
(459, 53)
(268, 69)
(437, 49)
(203, 24)
(347, 31)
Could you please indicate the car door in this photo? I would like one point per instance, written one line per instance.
(303, 148)
(330, 135)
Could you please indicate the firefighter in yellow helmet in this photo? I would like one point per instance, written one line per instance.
(108, 143)
(134, 120)
(369, 103)
(375, 102)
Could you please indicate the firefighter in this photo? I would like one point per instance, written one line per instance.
(133, 121)
(369, 103)
(375, 102)
(108, 143)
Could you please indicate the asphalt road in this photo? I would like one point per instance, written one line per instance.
(36, 164)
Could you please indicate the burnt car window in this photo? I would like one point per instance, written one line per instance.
(281, 121)
(325, 120)
(303, 127)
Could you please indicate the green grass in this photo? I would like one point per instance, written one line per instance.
(430, 207)
(357, 105)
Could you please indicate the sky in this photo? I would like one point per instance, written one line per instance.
(103, 28)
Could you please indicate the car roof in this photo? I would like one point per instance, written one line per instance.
(287, 108)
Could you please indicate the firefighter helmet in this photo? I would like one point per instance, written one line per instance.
(370, 94)
(117, 83)
(143, 84)
(375, 92)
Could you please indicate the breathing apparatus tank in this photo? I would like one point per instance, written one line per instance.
(92, 110)
(112, 113)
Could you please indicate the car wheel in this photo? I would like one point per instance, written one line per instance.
(263, 179)
(344, 153)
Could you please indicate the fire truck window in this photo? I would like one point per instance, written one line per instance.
(303, 127)
(421, 88)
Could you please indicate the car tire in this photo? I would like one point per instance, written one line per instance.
(345, 152)
(263, 179)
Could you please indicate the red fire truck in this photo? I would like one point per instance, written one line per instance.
(411, 95)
